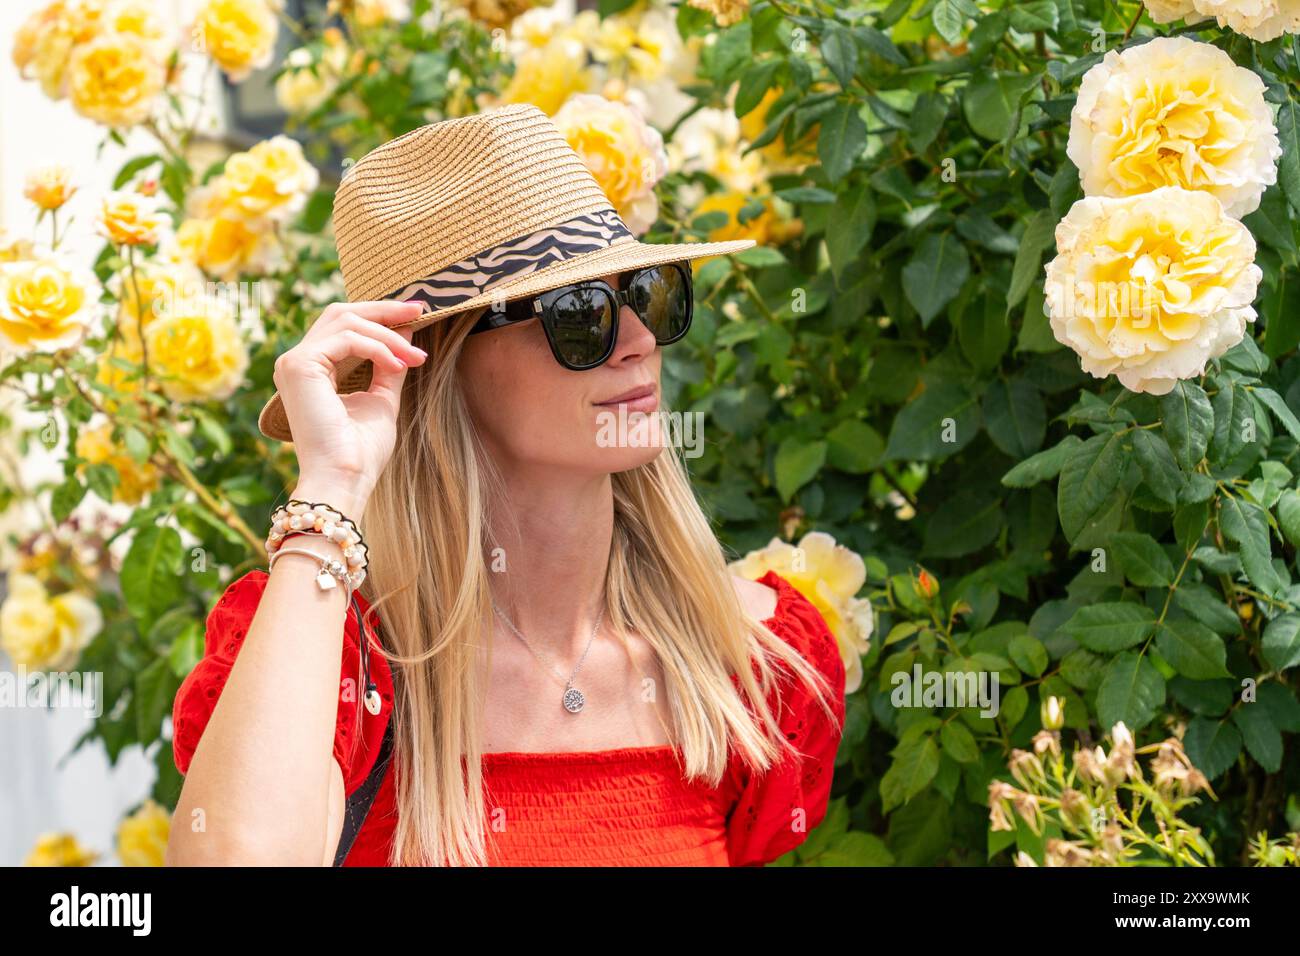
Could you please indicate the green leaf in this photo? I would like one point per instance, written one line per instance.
(1288, 166)
(958, 742)
(1033, 16)
(849, 227)
(797, 463)
(928, 114)
(1212, 745)
(841, 53)
(1131, 690)
(1275, 404)
(1044, 465)
(1207, 607)
(992, 103)
(1142, 560)
(1189, 423)
(840, 142)
(939, 422)
(964, 523)
(65, 498)
(1192, 649)
(854, 446)
(149, 578)
(1038, 236)
(1110, 627)
(1015, 417)
(1288, 515)
(1090, 477)
(155, 687)
(1159, 470)
(915, 764)
(935, 274)
(1262, 739)
(1028, 653)
(1281, 644)
(1232, 410)
(948, 20)
(1246, 524)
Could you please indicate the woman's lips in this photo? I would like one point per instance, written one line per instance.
(644, 399)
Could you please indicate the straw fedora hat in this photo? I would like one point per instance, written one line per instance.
(474, 211)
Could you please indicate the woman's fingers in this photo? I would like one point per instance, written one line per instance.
(398, 343)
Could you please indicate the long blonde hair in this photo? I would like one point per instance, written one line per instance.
(427, 527)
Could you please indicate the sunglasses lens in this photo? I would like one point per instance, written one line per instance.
(582, 326)
(661, 298)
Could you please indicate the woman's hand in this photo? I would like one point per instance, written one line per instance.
(343, 442)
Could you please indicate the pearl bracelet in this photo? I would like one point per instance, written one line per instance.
(306, 517)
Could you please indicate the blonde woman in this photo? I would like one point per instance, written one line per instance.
(555, 666)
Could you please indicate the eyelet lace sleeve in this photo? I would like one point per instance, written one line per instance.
(765, 823)
(356, 743)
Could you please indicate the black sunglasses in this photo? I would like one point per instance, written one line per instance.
(581, 320)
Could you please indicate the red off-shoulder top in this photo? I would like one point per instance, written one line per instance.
(630, 806)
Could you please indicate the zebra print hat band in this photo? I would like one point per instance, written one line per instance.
(479, 274)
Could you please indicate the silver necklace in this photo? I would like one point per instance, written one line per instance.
(573, 699)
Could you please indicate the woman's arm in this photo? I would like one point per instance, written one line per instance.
(263, 774)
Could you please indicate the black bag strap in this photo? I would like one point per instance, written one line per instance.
(359, 801)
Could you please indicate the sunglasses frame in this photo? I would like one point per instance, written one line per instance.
(540, 305)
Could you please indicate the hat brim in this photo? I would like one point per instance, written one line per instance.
(353, 375)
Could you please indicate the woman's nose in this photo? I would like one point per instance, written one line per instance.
(635, 340)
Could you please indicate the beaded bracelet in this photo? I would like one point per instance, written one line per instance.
(307, 517)
(299, 517)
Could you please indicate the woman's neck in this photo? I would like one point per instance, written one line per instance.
(547, 567)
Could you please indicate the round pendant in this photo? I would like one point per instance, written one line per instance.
(573, 700)
(373, 702)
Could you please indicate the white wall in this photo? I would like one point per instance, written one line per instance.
(85, 795)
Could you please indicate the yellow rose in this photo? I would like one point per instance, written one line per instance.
(1167, 11)
(131, 219)
(115, 79)
(374, 13)
(306, 83)
(111, 373)
(140, 18)
(225, 248)
(15, 248)
(829, 575)
(151, 290)
(197, 350)
(239, 35)
(776, 156)
(767, 228)
(549, 75)
(142, 837)
(49, 187)
(271, 181)
(624, 152)
(1260, 20)
(43, 305)
(725, 12)
(42, 45)
(134, 479)
(1150, 287)
(59, 849)
(709, 141)
(1174, 112)
(43, 633)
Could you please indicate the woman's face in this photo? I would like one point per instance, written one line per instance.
(531, 410)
